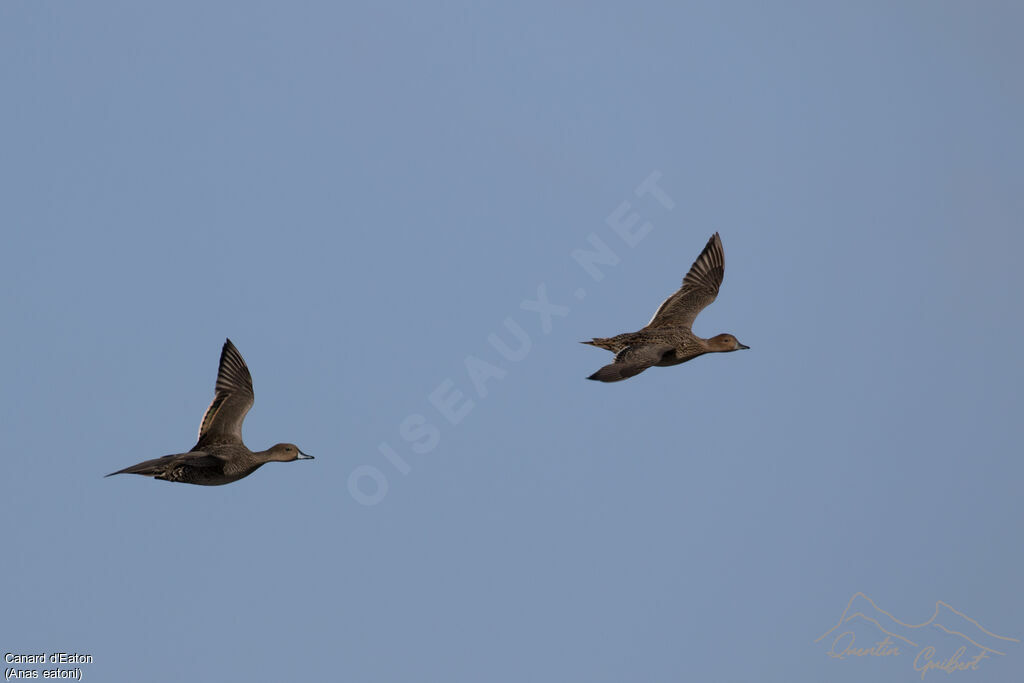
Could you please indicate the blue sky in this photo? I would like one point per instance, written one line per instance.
(360, 196)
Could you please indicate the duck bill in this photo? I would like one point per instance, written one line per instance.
(744, 346)
(304, 456)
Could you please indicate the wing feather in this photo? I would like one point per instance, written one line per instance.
(232, 399)
(631, 361)
(700, 287)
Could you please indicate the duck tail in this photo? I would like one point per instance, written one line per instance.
(136, 469)
(148, 468)
(601, 343)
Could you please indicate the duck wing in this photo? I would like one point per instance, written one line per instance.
(700, 287)
(232, 399)
(632, 360)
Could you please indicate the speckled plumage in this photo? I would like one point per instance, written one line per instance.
(220, 456)
(667, 339)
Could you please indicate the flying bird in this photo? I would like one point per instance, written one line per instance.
(667, 339)
(219, 456)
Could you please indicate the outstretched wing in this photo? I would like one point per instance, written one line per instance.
(700, 287)
(630, 361)
(233, 397)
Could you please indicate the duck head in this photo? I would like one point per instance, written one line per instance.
(286, 452)
(725, 342)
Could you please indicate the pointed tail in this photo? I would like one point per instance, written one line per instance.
(607, 343)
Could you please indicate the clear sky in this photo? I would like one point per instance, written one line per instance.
(370, 201)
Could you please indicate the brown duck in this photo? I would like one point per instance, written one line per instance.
(220, 457)
(667, 339)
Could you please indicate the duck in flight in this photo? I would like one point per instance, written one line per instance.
(667, 339)
(219, 456)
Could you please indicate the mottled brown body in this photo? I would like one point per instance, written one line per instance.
(220, 456)
(668, 338)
